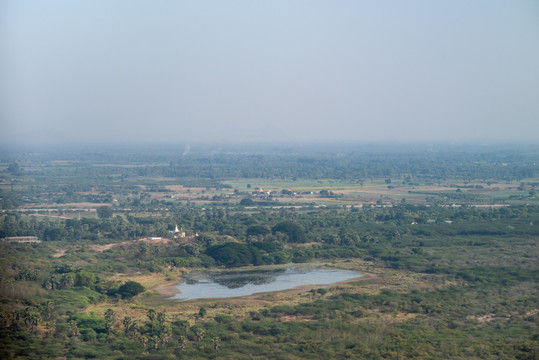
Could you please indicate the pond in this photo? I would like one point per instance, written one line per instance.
(233, 283)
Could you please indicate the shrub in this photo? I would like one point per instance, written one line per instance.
(130, 289)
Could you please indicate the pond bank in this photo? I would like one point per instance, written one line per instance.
(171, 289)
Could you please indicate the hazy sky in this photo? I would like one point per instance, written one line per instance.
(289, 70)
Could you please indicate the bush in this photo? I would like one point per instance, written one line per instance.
(130, 289)
(88, 334)
(322, 291)
(223, 319)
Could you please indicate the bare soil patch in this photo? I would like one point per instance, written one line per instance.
(309, 244)
(483, 319)
(59, 253)
(70, 205)
(297, 318)
(388, 318)
(101, 248)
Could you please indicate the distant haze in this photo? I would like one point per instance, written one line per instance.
(280, 70)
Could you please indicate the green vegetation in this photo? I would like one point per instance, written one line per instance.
(449, 240)
(130, 289)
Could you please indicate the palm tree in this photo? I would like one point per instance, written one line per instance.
(183, 324)
(216, 341)
(200, 333)
(155, 339)
(110, 316)
(73, 327)
(135, 327)
(151, 315)
(164, 336)
(127, 322)
(144, 340)
(4, 318)
(49, 306)
(51, 328)
(182, 341)
(161, 318)
(31, 318)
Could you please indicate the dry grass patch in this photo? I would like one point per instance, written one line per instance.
(386, 318)
(147, 280)
(59, 253)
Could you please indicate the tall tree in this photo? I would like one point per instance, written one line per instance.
(127, 322)
(31, 318)
(216, 341)
(161, 318)
(110, 317)
(182, 341)
(152, 316)
(73, 328)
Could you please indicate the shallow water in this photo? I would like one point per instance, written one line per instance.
(233, 283)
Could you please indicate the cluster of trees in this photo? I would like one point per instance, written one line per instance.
(336, 227)
(67, 277)
(87, 335)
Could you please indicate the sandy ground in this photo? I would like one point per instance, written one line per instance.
(169, 289)
(101, 248)
(59, 253)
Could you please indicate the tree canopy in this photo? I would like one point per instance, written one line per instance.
(295, 232)
(130, 289)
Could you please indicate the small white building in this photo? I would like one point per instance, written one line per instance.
(22, 239)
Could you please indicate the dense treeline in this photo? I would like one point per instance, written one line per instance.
(346, 163)
(330, 226)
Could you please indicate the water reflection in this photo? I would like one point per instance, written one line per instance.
(233, 283)
(238, 279)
